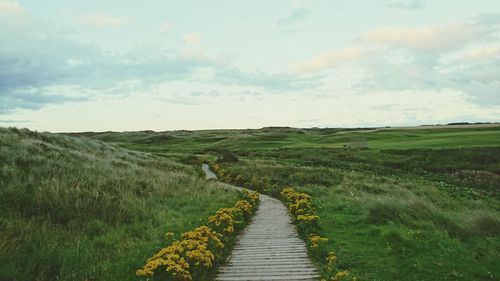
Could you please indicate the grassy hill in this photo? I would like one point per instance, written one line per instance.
(414, 204)
(282, 137)
(80, 209)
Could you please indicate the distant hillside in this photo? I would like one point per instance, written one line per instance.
(248, 140)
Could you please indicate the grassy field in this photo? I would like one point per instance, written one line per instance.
(80, 209)
(414, 204)
(395, 223)
(185, 142)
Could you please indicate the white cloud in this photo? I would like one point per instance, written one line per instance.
(10, 7)
(330, 59)
(479, 54)
(192, 38)
(74, 62)
(100, 19)
(442, 37)
(463, 56)
(203, 58)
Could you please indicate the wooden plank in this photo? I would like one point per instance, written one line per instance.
(269, 249)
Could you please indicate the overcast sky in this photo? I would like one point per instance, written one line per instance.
(99, 65)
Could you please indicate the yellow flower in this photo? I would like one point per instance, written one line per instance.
(307, 218)
(169, 235)
(251, 196)
(223, 221)
(331, 259)
(316, 239)
(243, 206)
(339, 275)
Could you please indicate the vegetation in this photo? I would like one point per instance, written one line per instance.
(182, 143)
(303, 213)
(197, 253)
(415, 204)
(394, 204)
(79, 209)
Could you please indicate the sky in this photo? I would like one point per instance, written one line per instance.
(68, 66)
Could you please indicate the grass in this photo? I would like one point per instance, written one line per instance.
(79, 209)
(398, 226)
(417, 204)
(185, 142)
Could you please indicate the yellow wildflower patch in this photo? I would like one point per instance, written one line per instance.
(197, 249)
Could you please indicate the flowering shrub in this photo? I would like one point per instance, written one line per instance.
(244, 207)
(300, 207)
(195, 253)
(251, 196)
(223, 221)
(195, 249)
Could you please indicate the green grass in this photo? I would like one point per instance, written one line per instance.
(393, 225)
(417, 204)
(185, 142)
(80, 209)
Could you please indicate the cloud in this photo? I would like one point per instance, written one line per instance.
(34, 98)
(202, 58)
(34, 59)
(260, 79)
(192, 38)
(463, 56)
(10, 7)
(452, 36)
(478, 54)
(407, 5)
(330, 59)
(40, 66)
(100, 19)
(295, 17)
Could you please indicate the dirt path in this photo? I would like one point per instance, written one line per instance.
(269, 248)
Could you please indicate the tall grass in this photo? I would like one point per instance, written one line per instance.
(388, 224)
(79, 209)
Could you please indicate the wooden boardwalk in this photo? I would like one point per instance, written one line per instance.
(208, 173)
(269, 248)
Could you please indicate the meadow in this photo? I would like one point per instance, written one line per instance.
(406, 204)
(80, 209)
(395, 204)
